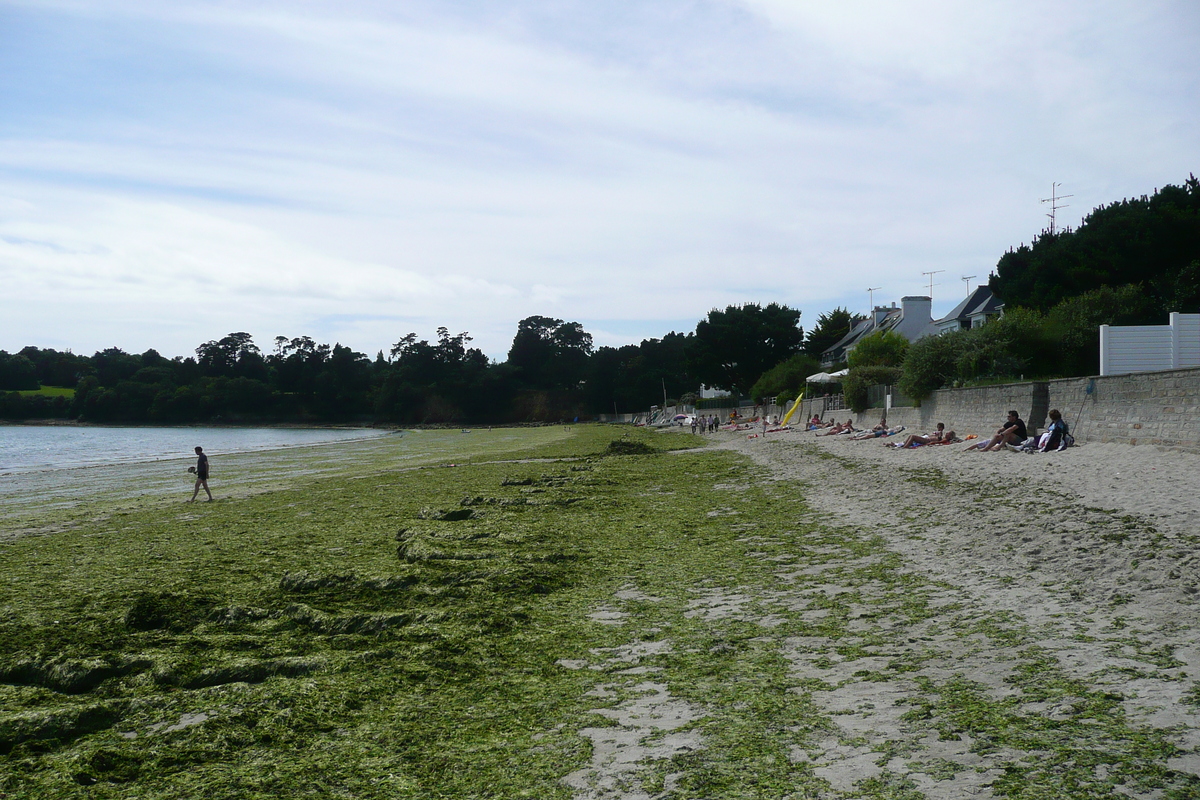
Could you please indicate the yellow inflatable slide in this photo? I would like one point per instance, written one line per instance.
(792, 410)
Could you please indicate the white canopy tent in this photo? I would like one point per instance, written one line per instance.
(827, 377)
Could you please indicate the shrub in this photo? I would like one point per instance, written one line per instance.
(880, 349)
(1018, 343)
(860, 379)
(1074, 324)
(930, 364)
(785, 379)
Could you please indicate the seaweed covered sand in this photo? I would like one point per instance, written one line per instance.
(564, 619)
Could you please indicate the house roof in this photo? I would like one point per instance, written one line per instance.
(859, 329)
(980, 301)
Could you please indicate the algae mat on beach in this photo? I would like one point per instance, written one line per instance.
(614, 621)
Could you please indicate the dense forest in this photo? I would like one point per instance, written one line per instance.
(1130, 262)
(552, 372)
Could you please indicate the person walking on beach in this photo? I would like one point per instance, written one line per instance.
(201, 469)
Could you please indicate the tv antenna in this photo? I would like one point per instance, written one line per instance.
(931, 274)
(871, 299)
(1053, 201)
(967, 280)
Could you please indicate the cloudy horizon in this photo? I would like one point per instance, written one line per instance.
(353, 172)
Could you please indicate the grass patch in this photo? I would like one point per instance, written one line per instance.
(49, 391)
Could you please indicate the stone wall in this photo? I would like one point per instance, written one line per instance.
(977, 410)
(1160, 408)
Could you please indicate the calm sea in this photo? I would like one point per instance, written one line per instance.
(34, 448)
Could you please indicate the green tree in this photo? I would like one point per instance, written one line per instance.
(879, 349)
(549, 354)
(235, 355)
(1073, 326)
(1181, 292)
(830, 328)
(426, 382)
(58, 369)
(297, 363)
(930, 364)
(1150, 240)
(636, 376)
(1014, 346)
(786, 379)
(113, 365)
(1017, 345)
(734, 347)
(17, 372)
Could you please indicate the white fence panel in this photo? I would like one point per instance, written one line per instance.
(1188, 326)
(1145, 348)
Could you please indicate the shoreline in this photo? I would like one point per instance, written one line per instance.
(46, 500)
(74, 423)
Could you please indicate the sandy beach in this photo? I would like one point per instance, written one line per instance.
(1092, 549)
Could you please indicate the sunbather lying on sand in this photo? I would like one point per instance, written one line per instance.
(836, 429)
(940, 436)
(875, 434)
(928, 438)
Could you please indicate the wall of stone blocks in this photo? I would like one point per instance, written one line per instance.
(1160, 408)
(977, 410)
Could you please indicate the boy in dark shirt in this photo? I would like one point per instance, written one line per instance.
(1011, 432)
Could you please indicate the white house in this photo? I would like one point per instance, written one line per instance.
(979, 307)
(912, 320)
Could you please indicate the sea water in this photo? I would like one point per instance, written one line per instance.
(36, 448)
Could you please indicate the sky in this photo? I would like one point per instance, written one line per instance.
(355, 171)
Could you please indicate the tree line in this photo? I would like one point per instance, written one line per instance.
(552, 372)
(1128, 263)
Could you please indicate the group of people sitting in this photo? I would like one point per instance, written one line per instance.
(1013, 435)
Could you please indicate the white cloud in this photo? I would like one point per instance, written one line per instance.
(356, 171)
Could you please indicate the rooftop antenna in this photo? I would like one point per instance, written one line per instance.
(967, 280)
(1053, 201)
(931, 274)
(871, 299)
